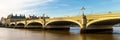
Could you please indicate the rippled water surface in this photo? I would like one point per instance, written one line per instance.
(37, 34)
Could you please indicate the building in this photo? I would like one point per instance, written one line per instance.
(40, 17)
(44, 16)
(33, 17)
(2, 20)
(13, 18)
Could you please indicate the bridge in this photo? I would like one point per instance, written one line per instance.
(83, 21)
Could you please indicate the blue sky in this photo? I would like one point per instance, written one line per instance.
(57, 8)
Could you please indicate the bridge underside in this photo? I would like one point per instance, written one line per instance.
(12, 25)
(62, 24)
(20, 25)
(34, 25)
(106, 24)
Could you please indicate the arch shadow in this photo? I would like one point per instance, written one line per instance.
(12, 25)
(34, 25)
(62, 24)
(20, 25)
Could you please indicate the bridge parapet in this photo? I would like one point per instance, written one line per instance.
(76, 18)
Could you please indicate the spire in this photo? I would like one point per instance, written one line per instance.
(109, 12)
(43, 15)
(24, 15)
(82, 9)
(15, 14)
(20, 15)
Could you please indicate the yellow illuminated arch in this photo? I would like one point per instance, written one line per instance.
(69, 20)
(101, 19)
(35, 22)
(20, 23)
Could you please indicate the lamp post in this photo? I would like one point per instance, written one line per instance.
(84, 20)
(44, 20)
(82, 9)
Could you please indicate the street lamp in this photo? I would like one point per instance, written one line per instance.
(84, 19)
(82, 9)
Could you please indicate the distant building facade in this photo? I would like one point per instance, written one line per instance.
(13, 18)
(3, 20)
(33, 17)
(44, 17)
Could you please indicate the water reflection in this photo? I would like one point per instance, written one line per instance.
(38, 34)
(74, 30)
(116, 30)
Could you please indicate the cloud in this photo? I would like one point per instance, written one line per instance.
(16, 6)
(13, 4)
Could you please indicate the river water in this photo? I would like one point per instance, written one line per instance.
(37, 34)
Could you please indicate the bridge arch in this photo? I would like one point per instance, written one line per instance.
(35, 24)
(105, 21)
(21, 24)
(12, 25)
(66, 22)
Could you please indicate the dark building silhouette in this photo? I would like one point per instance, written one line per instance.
(33, 17)
(13, 18)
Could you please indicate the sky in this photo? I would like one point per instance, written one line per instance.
(57, 8)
